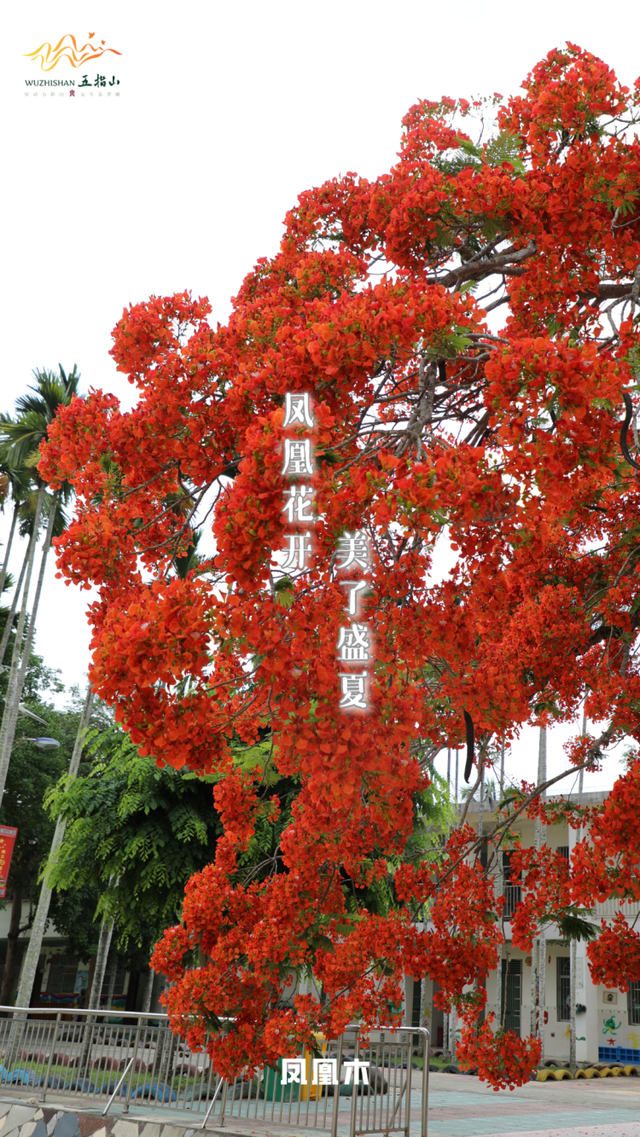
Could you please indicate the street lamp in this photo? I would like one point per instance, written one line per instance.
(24, 711)
(41, 743)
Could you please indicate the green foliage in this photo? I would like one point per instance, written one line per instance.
(506, 147)
(33, 772)
(14, 477)
(73, 913)
(36, 411)
(135, 834)
(191, 559)
(434, 816)
(574, 926)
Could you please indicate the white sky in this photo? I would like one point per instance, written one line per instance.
(225, 113)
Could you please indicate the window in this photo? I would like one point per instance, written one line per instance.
(633, 1004)
(511, 994)
(118, 981)
(563, 988)
(564, 851)
(62, 975)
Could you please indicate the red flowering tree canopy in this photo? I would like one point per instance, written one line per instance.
(466, 329)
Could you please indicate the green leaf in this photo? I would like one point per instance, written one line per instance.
(573, 926)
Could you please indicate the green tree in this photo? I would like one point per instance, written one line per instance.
(21, 440)
(135, 834)
(14, 485)
(31, 775)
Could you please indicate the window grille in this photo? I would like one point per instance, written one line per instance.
(511, 994)
(633, 1003)
(563, 988)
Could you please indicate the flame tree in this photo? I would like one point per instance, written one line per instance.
(467, 328)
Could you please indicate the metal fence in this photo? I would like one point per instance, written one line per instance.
(132, 1063)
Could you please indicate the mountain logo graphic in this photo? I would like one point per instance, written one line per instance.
(67, 48)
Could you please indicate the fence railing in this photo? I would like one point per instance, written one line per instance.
(133, 1063)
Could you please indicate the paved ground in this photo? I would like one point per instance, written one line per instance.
(460, 1106)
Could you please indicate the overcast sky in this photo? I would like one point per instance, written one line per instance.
(224, 113)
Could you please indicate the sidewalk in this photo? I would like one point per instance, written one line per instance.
(459, 1106)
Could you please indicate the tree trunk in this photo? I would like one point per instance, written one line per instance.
(5, 563)
(12, 944)
(148, 992)
(534, 988)
(12, 611)
(14, 689)
(112, 980)
(572, 1009)
(102, 954)
(481, 801)
(540, 946)
(542, 757)
(42, 911)
(574, 946)
(87, 994)
(24, 663)
(502, 770)
(542, 980)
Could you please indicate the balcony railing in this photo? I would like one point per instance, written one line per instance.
(608, 908)
(512, 896)
(612, 906)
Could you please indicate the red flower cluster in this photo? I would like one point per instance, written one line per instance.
(614, 958)
(501, 1058)
(448, 320)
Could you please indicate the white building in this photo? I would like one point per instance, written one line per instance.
(607, 1021)
(63, 980)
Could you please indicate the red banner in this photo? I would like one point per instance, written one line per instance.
(7, 841)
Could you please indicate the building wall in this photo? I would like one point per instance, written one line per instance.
(62, 979)
(603, 1028)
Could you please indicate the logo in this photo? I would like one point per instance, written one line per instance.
(67, 48)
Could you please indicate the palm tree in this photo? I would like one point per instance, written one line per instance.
(27, 513)
(14, 480)
(22, 439)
